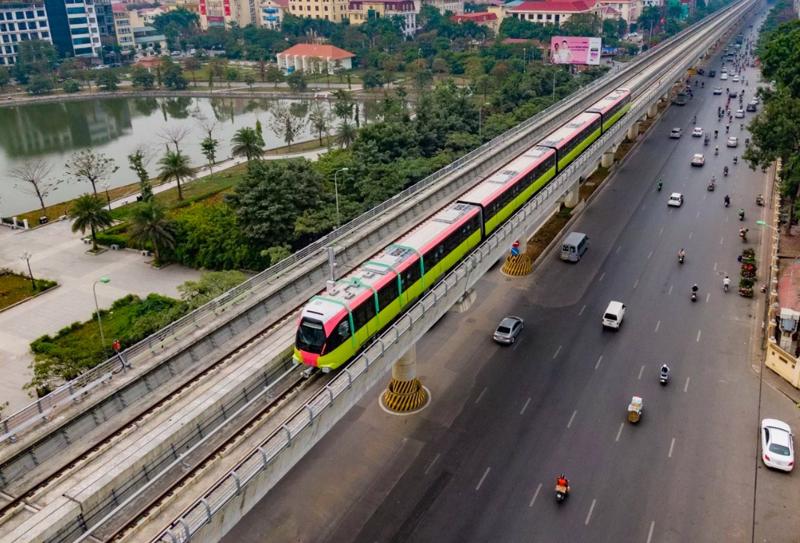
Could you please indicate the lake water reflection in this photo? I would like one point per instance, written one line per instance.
(117, 127)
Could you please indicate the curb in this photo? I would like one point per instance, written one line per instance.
(12, 306)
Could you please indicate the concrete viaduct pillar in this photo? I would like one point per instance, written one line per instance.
(652, 111)
(405, 392)
(608, 159)
(633, 132)
(572, 196)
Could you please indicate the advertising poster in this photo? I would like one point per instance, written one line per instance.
(575, 50)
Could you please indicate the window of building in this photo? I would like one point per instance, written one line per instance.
(2, 27)
(41, 13)
(6, 39)
(81, 41)
(79, 31)
(29, 14)
(538, 16)
(76, 10)
(2, 16)
(45, 35)
(20, 15)
(549, 17)
(13, 38)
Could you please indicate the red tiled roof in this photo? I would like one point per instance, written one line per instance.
(608, 10)
(319, 51)
(477, 17)
(561, 6)
(118, 7)
(281, 3)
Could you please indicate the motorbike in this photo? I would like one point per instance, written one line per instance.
(743, 235)
(726, 284)
(658, 186)
(716, 151)
(725, 171)
(726, 201)
(759, 201)
(711, 186)
(681, 258)
(663, 377)
(741, 214)
(694, 296)
(736, 160)
(705, 141)
(561, 493)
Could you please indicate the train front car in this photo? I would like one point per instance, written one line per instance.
(336, 324)
(612, 106)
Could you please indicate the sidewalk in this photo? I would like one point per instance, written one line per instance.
(61, 255)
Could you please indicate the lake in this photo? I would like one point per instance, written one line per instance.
(116, 127)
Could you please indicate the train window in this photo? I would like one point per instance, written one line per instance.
(411, 274)
(387, 293)
(340, 333)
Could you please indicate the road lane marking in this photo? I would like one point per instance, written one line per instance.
(485, 473)
(650, 533)
(698, 213)
(582, 310)
(721, 240)
(619, 432)
(708, 296)
(435, 458)
(516, 344)
(524, 407)
(555, 354)
(699, 333)
(535, 495)
(601, 277)
(671, 446)
(572, 418)
(715, 266)
(660, 232)
(641, 371)
(481, 394)
(691, 233)
(649, 255)
(658, 325)
(589, 515)
(686, 386)
(618, 249)
(636, 284)
(670, 290)
(597, 365)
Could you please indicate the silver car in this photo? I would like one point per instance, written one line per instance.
(508, 330)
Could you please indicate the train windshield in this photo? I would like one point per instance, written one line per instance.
(310, 336)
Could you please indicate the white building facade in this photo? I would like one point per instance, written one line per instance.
(20, 21)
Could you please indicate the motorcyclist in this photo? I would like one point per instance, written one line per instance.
(681, 254)
(740, 211)
(664, 370)
(726, 283)
(659, 185)
(562, 480)
(716, 133)
(735, 159)
(716, 149)
(725, 170)
(727, 200)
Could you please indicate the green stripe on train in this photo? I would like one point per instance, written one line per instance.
(519, 201)
(573, 154)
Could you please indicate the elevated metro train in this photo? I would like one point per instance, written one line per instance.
(335, 325)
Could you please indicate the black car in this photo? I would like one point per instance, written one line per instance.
(712, 73)
(751, 107)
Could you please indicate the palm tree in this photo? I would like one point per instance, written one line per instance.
(347, 134)
(89, 212)
(149, 223)
(248, 142)
(175, 165)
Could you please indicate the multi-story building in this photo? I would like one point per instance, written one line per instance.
(330, 10)
(222, 13)
(272, 12)
(105, 21)
(122, 26)
(456, 7)
(629, 10)
(552, 11)
(483, 18)
(311, 58)
(21, 21)
(359, 11)
(73, 27)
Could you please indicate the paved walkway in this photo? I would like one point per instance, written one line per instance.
(61, 255)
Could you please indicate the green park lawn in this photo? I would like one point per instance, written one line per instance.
(15, 288)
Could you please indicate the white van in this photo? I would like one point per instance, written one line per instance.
(573, 246)
(614, 314)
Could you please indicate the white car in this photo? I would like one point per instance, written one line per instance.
(698, 159)
(735, 79)
(718, 90)
(675, 133)
(723, 76)
(777, 450)
(697, 132)
(739, 114)
(675, 199)
(614, 314)
(733, 141)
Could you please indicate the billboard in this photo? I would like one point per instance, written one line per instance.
(575, 50)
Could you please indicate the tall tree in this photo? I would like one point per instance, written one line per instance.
(247, 143)
(89, 166)
(286, 123)
(209, 149)
(136, 162)
(347, 134)
(274, 75)
(319, 117)
(108, 80)
(149, 224)
(89, 212)
(34, 176)
(174, 165)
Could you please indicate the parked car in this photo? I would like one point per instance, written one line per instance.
(777, 449)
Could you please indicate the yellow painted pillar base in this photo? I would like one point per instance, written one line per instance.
(517, 266)
(405, 392)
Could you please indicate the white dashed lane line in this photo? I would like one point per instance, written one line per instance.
(524, 407)
(658, 325)
(699, 333)
(555, 354)
(686, 386)
(589, 514)
(601, 276)
(582, 310)
(572, 418)
(671, 447)
(650, 532)
(485, 473)
(619, 432)
(481, 394)
(535, 495)
(435, 458)
(641, 371)
(597, 365)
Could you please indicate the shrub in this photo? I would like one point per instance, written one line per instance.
(71, 86)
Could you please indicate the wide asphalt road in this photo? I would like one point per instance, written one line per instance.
(479, 463)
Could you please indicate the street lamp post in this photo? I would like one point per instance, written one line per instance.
(336, 192)
(105, 280)
(106, 186)
(26, 256)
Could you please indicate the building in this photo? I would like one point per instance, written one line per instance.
(330, 10)
(653, 3)
(21, 21)
(311, 58)
(147, 38)
(629, 10)
(552, 11)
(73, 27)
(223, 13)
(122, 26)
(105, 22)
(145, 16)
(482, 18)
(272, 12)
(456, 7)
(359, 11)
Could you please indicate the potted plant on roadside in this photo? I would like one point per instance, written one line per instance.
(746, 287)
